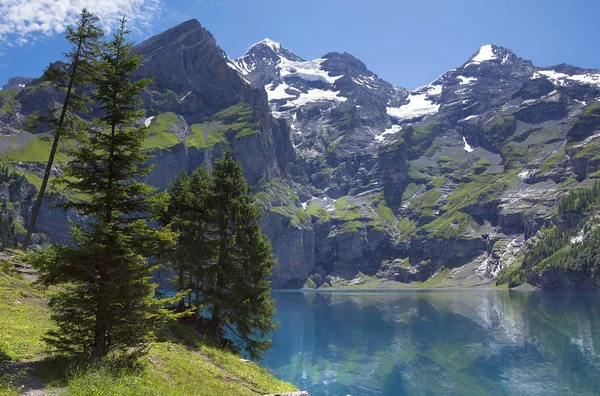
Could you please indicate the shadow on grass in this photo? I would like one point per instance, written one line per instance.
(4, 357)
(56, 371)
(20, 377)
(184, 332)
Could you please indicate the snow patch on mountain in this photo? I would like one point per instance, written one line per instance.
(466, 80)
(562, 79)
(306, 70)
(367, 81)
(279, 92)
(394, 129)
(148, 121)
(244, 67)
(485, 53)
(467, 146)
(314, 95)
(420, 103)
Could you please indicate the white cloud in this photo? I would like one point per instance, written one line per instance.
(22, 21)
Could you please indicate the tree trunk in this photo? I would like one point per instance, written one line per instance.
(101, 330)
(181, 306)
(215, 321)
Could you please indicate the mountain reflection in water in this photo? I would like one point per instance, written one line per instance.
(438, 342)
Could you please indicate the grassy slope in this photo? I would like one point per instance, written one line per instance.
(160, 135)
(181, 365)
(23, 318)
(36, 150)
(237, 118)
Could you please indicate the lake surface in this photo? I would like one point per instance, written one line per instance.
(438, 342)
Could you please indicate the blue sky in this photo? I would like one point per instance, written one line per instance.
(408, 43)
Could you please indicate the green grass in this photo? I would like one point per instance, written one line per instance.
(436, 182)
(385, 212)
(24, 318)
(179, 363)
(424, 204)
(8, 93)
(481, 166)
(175, 369)
(315, 210)
(409, 192)
(310, 284)
(552, 161)
(301, 218)
(35, 180)
(248, 131)
(239, 119)
(216, 134)
(207, 134)
(240, 110)
(481, 190)
(196, 137)
(440, 279)
(507, 273)
(445, 163)
(454, 223)
(346, 211)
(385, 216)
(592, 109)
(589, 150)
(8, 106)
(160, 132)
(406, 228)
(352, 226)
(36, 150)
(451, 226)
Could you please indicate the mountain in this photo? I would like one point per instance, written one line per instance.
(16, 83)
(360, 180)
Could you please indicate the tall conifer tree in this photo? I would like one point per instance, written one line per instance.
(187, 214)
(106, 302)
(222, 255)
(239, 294)
(80, 71)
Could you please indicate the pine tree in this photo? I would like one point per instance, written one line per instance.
(106, 301)
(85, 45)
(7, 229)
(187, 215)
(238, 294)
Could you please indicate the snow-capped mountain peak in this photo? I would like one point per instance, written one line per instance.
(485, 53)
(275, 46)
(259, 63)
(490, 54)
(269, 51)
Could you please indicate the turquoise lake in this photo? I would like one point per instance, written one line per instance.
(438, 342)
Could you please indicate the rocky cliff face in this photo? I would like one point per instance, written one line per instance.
(358, 177)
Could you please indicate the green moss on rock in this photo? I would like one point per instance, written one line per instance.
(346, 211)
(552, 161)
